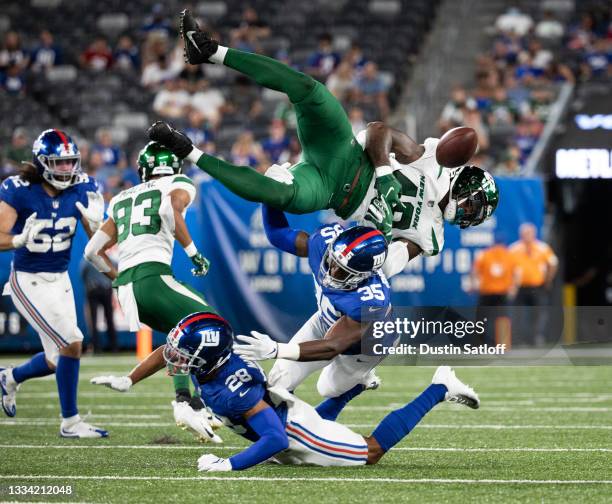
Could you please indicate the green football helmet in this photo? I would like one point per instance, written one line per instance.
(155, 159)
(473, 197)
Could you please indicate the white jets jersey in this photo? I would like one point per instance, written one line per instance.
(143, 232)
(424, 184)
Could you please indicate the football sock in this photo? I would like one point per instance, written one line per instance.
(37, 366)
(181, 386)
(219, 55)
(67, 377)
(331, 408)
(398, 424)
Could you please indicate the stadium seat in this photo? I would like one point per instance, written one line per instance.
(113, 23)
(62, 73)
(132, 121)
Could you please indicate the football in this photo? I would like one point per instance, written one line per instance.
(456, 147)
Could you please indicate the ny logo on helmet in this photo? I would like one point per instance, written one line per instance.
(210, 337)
(379, 260)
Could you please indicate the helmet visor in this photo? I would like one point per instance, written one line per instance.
(471, 208)
(179, 362)
(61, 169)
(335, 275)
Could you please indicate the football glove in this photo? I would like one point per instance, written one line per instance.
(170, 138)
(212, 463)
(94, 213)
(380, 214)
(256, 347)
(390, 189)
(199, 47)
(31, 228)
(119, 383)
(202, 265)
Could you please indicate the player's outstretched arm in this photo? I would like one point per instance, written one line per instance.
(399, 253)
(272, 440)
(8, 217)
(281, 235)
(381, 140)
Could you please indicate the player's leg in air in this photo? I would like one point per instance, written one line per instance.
(335, 171)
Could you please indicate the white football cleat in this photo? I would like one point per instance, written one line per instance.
(457, 391)
(8, 388)
(76, 427)
(196, 421)
(372, 381)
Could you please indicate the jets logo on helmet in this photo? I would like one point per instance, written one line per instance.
(155, 160)
(352, 258)
(56, 157)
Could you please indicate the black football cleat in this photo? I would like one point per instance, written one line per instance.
(198, 46)
(170, 138)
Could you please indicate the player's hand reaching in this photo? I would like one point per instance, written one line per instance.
(212, 463)
(119, 383)
(390, 189)
(31, 228)
(94, 212)
(177, 142)
(256, 347)
(380, 214)
(202, 265)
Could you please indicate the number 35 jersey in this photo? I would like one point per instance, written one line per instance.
(145, 222)
(49, 252)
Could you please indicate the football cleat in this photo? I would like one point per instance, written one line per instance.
(372, 381)
(199, 47)
(198, 422)
(457, 391)
(80, 429)
(174, 140)
(8, 388)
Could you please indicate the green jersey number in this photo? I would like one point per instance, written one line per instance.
(151, 222)
(408, 189)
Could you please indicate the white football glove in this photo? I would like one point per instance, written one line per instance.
(198, 422)
(94, 213)
(30, 229)
(256, 347)
(280, 173)
(212, 463)
(119, 383)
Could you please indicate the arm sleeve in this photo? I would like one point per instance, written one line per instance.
(272, 439)
(277, 229)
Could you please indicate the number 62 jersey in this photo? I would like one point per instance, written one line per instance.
(143, 232)
(49, 252)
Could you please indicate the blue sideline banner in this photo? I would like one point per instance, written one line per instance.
(255, 286)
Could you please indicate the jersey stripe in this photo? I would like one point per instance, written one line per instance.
(201, 317)
(303, 441)
(325, 445)
(362, 238)
(300, 426)
(38, 318)
(182, 178)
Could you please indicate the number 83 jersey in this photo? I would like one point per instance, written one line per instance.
(143, 232)
(49, 252)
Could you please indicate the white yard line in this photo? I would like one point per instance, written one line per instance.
(224, 447)
(26, 477)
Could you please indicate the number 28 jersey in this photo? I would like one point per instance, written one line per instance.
(142, 234)
(49, 251)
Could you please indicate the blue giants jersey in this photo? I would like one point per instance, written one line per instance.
(50, 251)
(236, 388)
(372, 296)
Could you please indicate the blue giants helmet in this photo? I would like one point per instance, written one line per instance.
(57, 158)
(199, 344)
(352, 257)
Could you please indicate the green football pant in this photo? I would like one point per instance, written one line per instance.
(331, 157)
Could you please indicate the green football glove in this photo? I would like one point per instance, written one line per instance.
(380, 214)
(390, 188)
(202, 265)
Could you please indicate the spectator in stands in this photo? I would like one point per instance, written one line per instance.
(514, 21)
(46, 54)
(158, 71)
(516, 91)
(172, 100)
(341, 82)
(501, 111)
(98, 56)
(18, 151)
(527, 132)
(453, 113)
(209, 102)
(250, 32)
(549, 28)
(370, 88)
(354, 56)
(157, 22)
(540, 102)
(324, 60)
(245, 99)
(556, 72)
(126, 56)
(286, 112)
(276, 146)
(12, 52)
(597, 60)
(192, 74)
(12, 81)
(247, 152)
(130, 176)
(112, 155)
(196, 130)
(538, 264)
(357, 121)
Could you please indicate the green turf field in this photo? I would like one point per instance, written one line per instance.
(542, 434)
